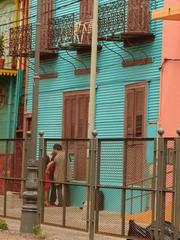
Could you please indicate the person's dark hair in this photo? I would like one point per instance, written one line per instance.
(57, 147)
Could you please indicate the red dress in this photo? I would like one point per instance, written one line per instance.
(48, 172)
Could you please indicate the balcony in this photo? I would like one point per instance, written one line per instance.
(127, 21)
(20, 41)
(68, 32)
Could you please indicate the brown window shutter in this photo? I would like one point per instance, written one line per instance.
(140, 112)
(69, 117)
(75, 125)
(86, 10)
(129, 117)
(47, 13)
(83, 103)
(138, 15)
(82, 127)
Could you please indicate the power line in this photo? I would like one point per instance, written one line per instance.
(33, 16)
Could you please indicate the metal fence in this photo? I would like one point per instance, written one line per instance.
(11, 180)
(113, 184)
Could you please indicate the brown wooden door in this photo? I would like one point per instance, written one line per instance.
(138, 15)
(47, 13)
(135, 118)
(75, 125)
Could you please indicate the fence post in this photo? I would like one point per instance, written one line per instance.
(30, 216)
(93, 146)
(41, 174)
(123, 192)
(161, 184)
(177, 187)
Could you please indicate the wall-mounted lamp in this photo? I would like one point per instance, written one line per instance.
(2, 98)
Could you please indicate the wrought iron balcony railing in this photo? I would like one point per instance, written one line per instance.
(123, 20)
(20, 41)
(112, 19)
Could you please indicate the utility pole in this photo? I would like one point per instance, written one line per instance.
(92, 112)
(30, 212)
(92, 99)
(35, 100)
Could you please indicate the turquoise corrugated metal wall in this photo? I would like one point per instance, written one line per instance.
(111, 81)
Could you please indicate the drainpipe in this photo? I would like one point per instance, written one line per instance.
(92, 100)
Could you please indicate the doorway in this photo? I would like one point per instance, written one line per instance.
(135, 127)
(75, 126)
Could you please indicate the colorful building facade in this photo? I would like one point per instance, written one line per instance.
(169, 117)
(11, 84)
(128, 77)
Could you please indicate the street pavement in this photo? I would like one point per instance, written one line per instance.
(52, 233)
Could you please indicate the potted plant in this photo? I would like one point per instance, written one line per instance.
(1, 51)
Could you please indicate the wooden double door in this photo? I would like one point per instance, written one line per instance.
(135, 127)
(75, 126)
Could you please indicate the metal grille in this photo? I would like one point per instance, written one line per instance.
(103, 192)
(20, 41)
(61, 30)
(125, 181)
(74, 208)
(112, 18)
(11, 181)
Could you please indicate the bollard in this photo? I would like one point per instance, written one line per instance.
(30, 216)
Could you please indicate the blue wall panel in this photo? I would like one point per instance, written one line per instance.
(111, 81)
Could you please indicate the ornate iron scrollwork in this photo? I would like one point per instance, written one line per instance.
(115, 17)
(20, 41)
(62, 30)
(112, 18)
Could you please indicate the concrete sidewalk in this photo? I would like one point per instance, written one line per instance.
(57, 233)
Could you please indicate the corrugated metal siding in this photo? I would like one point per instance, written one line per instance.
(111, 81)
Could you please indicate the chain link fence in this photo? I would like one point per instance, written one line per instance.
(110, 186)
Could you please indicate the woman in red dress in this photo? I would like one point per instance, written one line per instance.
(47, 181)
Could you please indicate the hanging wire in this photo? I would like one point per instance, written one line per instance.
(137, 49)
(68, 62)
(110, 49)
(125, 50)
(86, 67)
